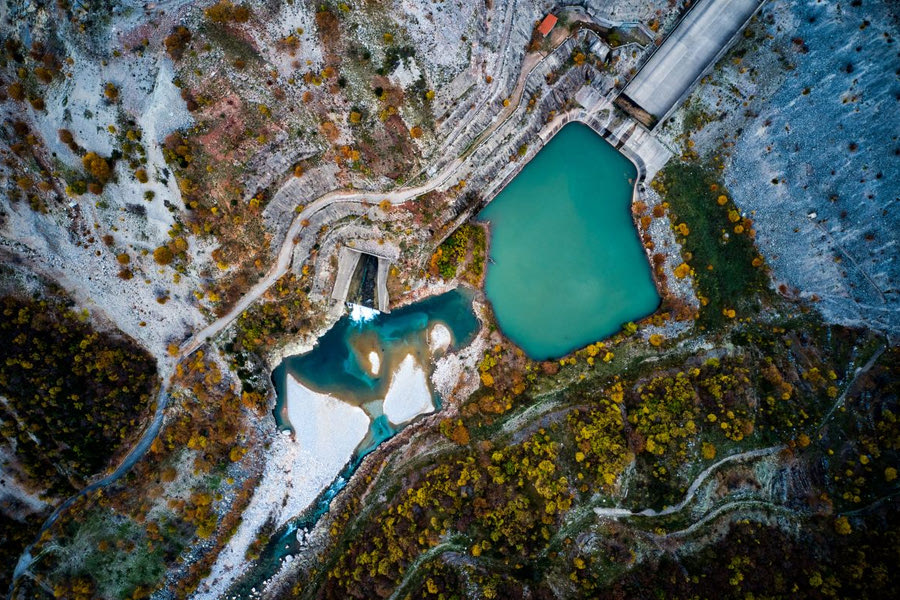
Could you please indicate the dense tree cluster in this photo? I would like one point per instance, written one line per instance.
(16, 532)
(466, 248)
(225, 11)
(864, 450)
(508, 502)
(601, 447)
(665, 416)
(74, 394)
(287, 310)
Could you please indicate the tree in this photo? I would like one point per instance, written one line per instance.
(163, 255)
(97, 166)
(66, 137)
(78, 399)
(177, 41)
(842, 526)
(224, 11)
(111, 91)
(16, 91)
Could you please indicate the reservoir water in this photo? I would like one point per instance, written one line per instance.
(567, 267)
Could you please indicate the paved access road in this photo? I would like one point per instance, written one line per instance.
(685, 54)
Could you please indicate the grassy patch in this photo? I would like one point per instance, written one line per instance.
(718, 242)
(233, 47)
(111, 555)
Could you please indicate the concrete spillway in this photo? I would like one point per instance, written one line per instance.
(362, 279)
(696, 43)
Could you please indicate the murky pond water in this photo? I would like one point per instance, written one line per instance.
(381, 365)
(341, 363)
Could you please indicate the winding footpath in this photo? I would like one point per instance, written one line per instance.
(455, 544)
(692, 490)
(134, 455)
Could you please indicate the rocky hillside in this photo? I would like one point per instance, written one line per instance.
(799, 117)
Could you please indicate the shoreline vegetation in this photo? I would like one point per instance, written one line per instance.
(719, 252)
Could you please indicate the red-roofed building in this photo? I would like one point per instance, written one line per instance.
(547, 24)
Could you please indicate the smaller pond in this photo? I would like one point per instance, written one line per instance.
(567, 267)
(381, 363)
(380, 366)
(342, 362)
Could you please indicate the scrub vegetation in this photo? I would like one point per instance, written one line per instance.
(284, 313)
(217, 209)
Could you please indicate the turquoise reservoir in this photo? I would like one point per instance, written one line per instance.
(567, 265)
